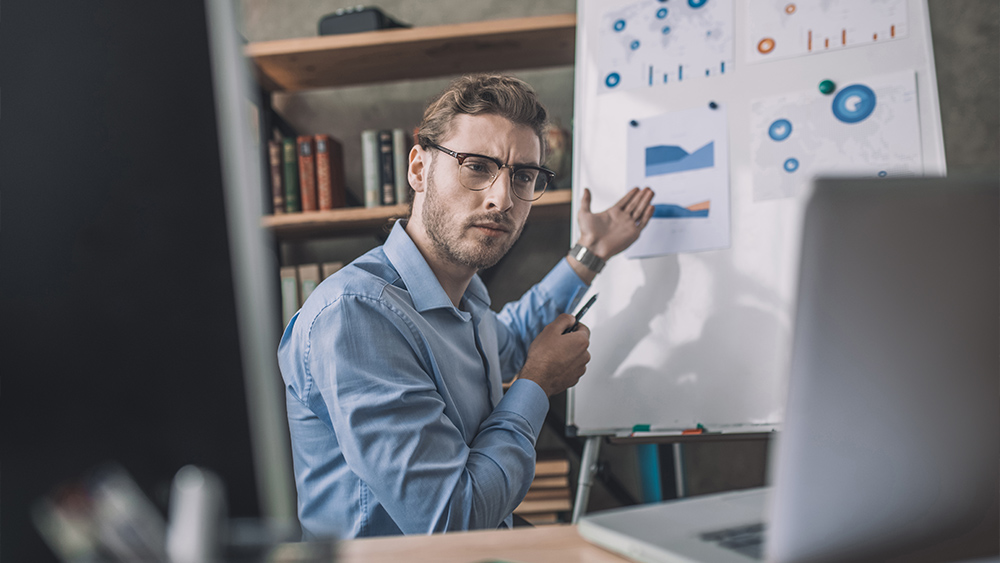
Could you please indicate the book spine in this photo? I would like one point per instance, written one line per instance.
(401, 158)
(324, 187)
(308, 280)
(338, 181)
(387, 176)
(370, 166)
(277, 189)
(289, 293)
(307, 173)
(291, 176)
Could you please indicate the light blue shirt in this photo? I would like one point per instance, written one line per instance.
(398, 421)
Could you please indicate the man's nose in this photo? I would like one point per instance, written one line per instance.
(499, 195)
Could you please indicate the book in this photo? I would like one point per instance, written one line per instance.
(387, 175)
(547, 494)
(308, 280)
(541, 518)
(277, 189)
(544, 505)
(329, 268)
(289, 293)
(553, 482)
(370, 167)
(401, 159)
(307, 173)
(290, 163)
(331, 189)
(550, 463)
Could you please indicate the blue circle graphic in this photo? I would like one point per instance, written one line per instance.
(613, 79)
(634, 45)
(854, 103)
(666, 30)
(619, 25)
(780, 129)
(661, 13)
(697, 3)
(882, 174)
(791, 165)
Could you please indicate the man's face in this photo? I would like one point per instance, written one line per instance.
(470, 228)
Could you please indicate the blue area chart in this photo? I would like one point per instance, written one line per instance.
(854, 103)
(668, 159)
(670, 211)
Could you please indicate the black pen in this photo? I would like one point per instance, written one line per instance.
(579, 315)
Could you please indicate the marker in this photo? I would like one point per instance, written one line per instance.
(579, 315)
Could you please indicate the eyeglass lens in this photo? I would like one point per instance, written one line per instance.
(478, 174)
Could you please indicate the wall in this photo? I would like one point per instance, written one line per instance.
(966, 34)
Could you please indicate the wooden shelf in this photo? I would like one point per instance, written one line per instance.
(420, 52)
(366, 220)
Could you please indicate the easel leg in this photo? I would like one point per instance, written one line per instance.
(679, 470)
(588, 467)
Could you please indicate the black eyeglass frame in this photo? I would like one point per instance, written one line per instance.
(514, 168)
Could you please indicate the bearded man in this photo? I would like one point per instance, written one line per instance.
(393, 366)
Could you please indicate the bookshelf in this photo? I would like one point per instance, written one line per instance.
(291, 65)
(294, 65)
(354, 220)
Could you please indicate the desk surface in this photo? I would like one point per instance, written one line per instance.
(555, 544)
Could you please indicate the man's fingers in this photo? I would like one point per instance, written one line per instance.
(624, 201)
(646, 216)
(584, 329)
(638, 202)
(585, 201)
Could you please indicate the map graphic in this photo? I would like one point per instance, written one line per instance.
(780, 29)
(645, 43)
(664, 159)
(869, 127)
(683, 156)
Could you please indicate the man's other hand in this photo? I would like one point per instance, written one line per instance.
(556, 361)
(615, 229)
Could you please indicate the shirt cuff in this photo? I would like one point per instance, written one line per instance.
(527, 399)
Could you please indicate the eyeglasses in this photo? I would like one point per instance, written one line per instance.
(477, 172)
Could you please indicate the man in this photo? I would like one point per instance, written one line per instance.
(394, 364)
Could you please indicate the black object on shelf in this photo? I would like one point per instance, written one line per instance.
(356, 20)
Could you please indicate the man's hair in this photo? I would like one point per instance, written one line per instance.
(484, 94)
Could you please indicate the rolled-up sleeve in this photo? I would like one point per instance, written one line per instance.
(522, 320)
(376, 377)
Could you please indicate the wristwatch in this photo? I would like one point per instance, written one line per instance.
(587, 258)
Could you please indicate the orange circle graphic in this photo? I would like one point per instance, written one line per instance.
(790, 9)
(766, 45)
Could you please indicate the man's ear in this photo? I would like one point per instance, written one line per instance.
(416, 173)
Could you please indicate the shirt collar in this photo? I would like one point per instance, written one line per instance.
(423, 286)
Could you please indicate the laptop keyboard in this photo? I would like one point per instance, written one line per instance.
(746, 540)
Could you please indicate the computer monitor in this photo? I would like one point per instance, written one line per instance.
(136, 288)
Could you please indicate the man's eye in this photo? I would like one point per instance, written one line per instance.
(476, 166)
(525, 177)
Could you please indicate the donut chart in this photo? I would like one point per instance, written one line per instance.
(780, 129)
(854, 103)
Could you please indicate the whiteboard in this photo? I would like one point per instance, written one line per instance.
(696, 326)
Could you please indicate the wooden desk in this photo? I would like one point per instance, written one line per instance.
(547, 544)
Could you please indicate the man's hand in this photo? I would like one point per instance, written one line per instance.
(556, 361)
(615, 229)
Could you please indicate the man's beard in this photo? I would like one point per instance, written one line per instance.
(446, 234)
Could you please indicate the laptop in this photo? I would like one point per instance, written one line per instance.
(891, 439)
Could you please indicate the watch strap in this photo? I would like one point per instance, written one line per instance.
(587, 258)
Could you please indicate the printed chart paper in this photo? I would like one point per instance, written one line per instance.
(684, 157)
(780, 29)
(866, 127)
(647, 43)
